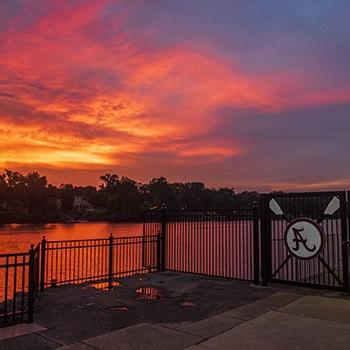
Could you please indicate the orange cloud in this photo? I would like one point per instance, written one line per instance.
(82, 93)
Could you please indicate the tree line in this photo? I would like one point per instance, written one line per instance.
(30, 198)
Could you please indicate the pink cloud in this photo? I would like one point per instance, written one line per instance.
(85, 92)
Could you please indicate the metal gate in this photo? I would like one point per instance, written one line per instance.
(222, 243)
(305, 239)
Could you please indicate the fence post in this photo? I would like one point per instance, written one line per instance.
(265, 240)
(159, 251)
(256, 246)
(31, 285)
(110, 261)
(345, 237)
(163, 237)
(42, 264)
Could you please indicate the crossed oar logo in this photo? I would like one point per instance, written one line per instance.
(304, 237)
(299, 239)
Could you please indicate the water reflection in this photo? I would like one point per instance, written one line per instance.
(187, 303)
(118, 308)
(105, 285)
(151, 293)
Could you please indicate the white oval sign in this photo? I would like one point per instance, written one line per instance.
(304, 238)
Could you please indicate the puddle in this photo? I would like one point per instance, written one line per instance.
(151, 293)
(118, 308)
(104, 285)
(87, 306)
(188, 303)
(143, 279)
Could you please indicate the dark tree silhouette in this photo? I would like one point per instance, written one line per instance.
(29, 198)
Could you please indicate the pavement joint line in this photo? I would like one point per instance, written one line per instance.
(89, 345)
(14, 331)
(207, 338)
(203, 339)
(181, 331)
(50, 339)
(273, 308)
(259, 286)
(315, 318)
(233, 318)
(228, 330)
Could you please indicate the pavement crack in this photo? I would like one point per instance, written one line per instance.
(52, 340)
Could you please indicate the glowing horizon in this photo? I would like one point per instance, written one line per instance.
(247, 96)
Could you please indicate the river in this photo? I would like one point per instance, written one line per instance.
(19, 237)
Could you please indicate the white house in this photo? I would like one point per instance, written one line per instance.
(81, 203)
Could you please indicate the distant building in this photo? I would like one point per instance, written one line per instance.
(82, 204)
(57, 203)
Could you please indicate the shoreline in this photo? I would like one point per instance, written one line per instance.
(72, 222)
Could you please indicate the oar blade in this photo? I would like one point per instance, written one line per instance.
(332, 206)
(275, 207)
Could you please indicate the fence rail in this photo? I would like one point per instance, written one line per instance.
(79, 261)
(19, 280)
(223, 243)
(60, 263)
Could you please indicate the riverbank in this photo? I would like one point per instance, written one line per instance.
(78, 221)
(66, 219)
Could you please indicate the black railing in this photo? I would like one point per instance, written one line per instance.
(245, 244)
(219, 243)
(19, 282)
(80, 261)
(60, 263)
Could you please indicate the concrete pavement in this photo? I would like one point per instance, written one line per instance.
(313, 323)
(225, 314)
(281, 321)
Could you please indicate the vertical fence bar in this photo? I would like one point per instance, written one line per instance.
(265, 240)
(163, 238)
(344, 240)
(256, 245)
(31, 285)
(348, 234)
(42, 264)
(159, 252)
(110, 261)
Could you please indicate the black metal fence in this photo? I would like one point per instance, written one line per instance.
(19, 285)
(80, 261)
(217, 243)
(246, 244)
(329, 269)
(251, 244)
(60, 263)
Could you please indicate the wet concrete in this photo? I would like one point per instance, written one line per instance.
(179, 309)
(74, 313)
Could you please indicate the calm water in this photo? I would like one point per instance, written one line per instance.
(19, 237)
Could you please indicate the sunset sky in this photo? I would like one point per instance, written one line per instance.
(248, 94)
